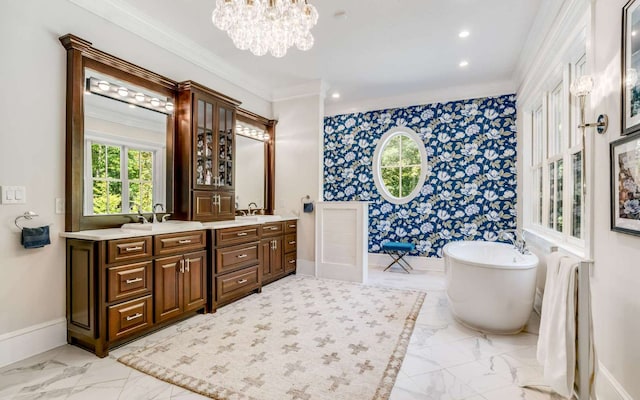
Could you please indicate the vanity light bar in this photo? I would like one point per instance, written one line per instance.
(129, 96)
(252, 132)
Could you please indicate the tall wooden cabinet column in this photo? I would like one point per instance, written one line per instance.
(205, 152)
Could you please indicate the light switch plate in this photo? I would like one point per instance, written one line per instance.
(13, 195)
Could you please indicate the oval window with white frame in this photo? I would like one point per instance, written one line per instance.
(400, 165)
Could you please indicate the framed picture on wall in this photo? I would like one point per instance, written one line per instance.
(631, 67)
(625, 184)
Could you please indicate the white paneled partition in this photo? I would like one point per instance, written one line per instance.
(342, 236)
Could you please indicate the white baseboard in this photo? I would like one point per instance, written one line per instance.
(306, 267)
(27, 342)
(608, 387)
(419, 263)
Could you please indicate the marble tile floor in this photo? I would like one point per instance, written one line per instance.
(445, 360)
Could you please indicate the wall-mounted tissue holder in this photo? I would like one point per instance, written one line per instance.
(307, 204)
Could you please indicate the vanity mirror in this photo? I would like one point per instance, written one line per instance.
(255, 163)
(120, 132)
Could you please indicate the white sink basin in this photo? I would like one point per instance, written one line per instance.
(259, 218)
(163, 226)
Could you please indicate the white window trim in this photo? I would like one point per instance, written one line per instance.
(159, 173)
(574, 55)
(377, 178)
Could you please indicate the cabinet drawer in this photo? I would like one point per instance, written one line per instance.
(290, 226)
(175, 243)
(128, 281)
(128, 249)
(290, 262)
(290, 243)
(241, 234)
(130, 317)
(272, 229)
(237, 283)
(231, 258)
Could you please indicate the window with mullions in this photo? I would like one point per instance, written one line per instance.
(121, 179)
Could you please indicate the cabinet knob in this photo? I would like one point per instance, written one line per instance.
(182, 266)
(292, 242)
(292, 261)
(188, 266)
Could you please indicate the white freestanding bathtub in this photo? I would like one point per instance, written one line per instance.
(490, 286)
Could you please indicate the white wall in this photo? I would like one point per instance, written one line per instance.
(298, 160)
(616, 277)
(616, 280)
(32, 137)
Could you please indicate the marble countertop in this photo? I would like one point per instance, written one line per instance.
(119, 233)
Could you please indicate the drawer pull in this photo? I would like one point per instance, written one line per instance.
(243, 256)
(136, 248)
(188, 267)
(242, 234)
(274, 228)
(130, 281)
(292, 242)
(292, 261)
(241, 281)
(182, 266)
(132, 317)
(292, 226)
(185, 241)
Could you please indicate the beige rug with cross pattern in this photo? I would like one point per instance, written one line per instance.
(300, 339)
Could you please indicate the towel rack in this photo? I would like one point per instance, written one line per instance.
(28, 216)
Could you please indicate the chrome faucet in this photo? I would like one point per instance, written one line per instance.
(155, 217)
(518, 242)
(141, 217)
(252, 211)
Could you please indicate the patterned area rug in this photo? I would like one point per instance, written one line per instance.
(300, 339)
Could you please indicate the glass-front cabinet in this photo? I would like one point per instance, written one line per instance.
(206, 149)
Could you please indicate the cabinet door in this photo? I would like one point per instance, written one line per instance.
(204, 207)
(167, 292)
(277, 256)
(204, 144)
(225, 145)
(227, 207)
(265, 258)
(194, 280)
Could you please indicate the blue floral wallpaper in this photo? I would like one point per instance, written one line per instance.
(470, 190)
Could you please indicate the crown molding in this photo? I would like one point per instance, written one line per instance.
(556, 21)
(490, 89)
(312, 88)
(122, 14)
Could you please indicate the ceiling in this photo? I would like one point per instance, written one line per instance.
(383, 48)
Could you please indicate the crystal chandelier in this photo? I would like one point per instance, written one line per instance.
(267, 25)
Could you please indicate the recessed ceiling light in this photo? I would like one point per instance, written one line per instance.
(463, 34)
(464, 63)
(336, 95)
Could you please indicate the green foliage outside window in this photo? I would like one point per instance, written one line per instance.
(400, 166)
(109, 182)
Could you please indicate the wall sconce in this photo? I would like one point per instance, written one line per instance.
(580, 88)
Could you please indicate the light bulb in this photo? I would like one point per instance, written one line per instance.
(123, 91)
(169, 106)
(155, 102)
(104, 86)
(139, 97)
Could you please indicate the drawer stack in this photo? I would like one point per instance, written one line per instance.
(236, 269)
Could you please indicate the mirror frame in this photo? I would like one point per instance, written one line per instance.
(269, 155)
(81, 55)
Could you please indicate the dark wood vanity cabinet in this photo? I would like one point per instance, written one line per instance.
(235, 268)
(120, 289)
(205, 152)
(279, 248)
